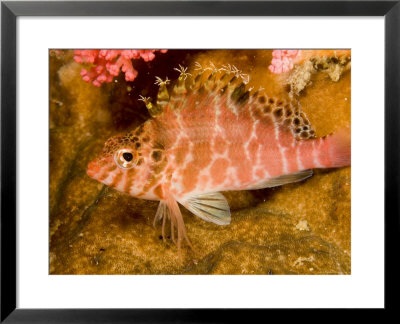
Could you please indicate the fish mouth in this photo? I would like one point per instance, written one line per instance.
(93, 169)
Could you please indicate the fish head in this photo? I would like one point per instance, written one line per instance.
(125, 164)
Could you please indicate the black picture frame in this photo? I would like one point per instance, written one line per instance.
(9, 13)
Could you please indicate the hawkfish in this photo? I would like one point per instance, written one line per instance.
(211, 132)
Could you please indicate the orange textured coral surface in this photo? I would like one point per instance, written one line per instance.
(301, 228)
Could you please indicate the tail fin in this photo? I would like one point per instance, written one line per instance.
(340, 148)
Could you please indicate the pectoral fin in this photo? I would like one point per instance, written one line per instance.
(212, 207)
(282, 180)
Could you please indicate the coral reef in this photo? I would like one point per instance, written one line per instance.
(284, 60)
(305, 63)
(108, 63)
(301, 228)
(300, 78)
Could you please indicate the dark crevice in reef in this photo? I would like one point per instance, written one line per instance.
(74, 234)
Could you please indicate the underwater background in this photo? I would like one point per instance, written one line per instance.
(300, 228)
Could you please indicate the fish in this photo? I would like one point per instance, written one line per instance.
(210, 132)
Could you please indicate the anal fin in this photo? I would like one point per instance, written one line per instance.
(212, 207)
(282, 180)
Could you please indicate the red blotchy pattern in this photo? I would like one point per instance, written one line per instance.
(215, 147)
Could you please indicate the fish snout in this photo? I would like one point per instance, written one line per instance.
(93, 169)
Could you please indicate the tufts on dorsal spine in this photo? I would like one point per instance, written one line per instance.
(180, 86)
(153, 110)
(163, 95)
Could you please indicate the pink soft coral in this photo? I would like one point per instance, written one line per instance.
(108, 63)
(283, 60)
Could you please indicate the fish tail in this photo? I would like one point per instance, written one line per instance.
(339, 145)
(332, 151)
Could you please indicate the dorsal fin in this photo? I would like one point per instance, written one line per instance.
(163, 95)
(205, 85)
(287, 115)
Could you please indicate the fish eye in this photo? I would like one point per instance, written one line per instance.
(125, 158)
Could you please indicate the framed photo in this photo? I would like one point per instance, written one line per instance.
(290, 109)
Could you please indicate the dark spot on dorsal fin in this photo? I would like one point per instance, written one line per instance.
(267, 109)
(255, 94)
(233, 79)
(222, 76)
(201, 90)
(223, 89)
(156, 156)
(238, 91)
(278, 112)
(197, 78)
(304, 135)
(243, 98)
